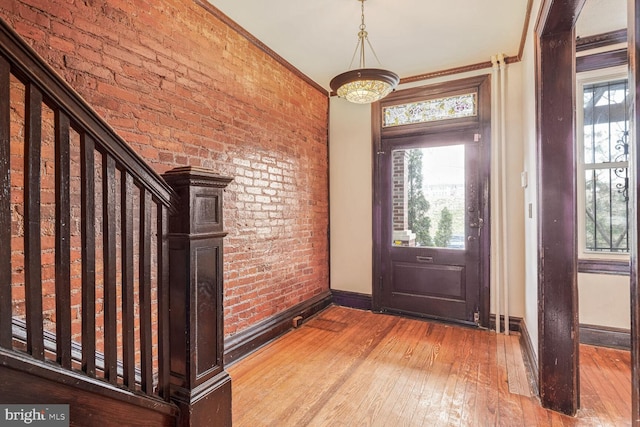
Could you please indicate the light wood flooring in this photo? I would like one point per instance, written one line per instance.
(349, 367)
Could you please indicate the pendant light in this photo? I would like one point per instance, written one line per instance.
(364, 85)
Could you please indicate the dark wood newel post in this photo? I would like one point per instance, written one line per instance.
(199, 384)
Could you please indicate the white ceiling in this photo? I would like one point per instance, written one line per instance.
(601, 16)
(410, 37)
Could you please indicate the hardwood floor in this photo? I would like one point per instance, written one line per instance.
(348, 367)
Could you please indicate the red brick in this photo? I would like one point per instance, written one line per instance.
(183, 89)
(121, 54)
(30, 32)
(34, 16)
(87, 67)
(136, 48)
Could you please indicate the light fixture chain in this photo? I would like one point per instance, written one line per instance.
(373, 51)
(362, 34)
(360, 46)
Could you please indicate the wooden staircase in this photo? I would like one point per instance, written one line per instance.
(110, 275)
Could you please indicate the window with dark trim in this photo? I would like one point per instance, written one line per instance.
(605, 129)
(603, 124)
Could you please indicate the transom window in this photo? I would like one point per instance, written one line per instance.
(604, 164)
(450, 107)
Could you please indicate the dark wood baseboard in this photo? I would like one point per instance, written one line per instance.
(515, 323)
(604, 336)
(249, 340)
(599, 266)
(352, 300)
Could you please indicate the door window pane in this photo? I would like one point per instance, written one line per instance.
(428, 192)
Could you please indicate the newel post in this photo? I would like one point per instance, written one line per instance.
(199, 384)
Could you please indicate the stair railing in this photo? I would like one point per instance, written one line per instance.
(106, 268)
(83, 234)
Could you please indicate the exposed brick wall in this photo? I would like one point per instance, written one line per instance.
(183, 89)
(400, 190)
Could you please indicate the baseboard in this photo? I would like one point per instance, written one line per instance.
(254, 337)
(352, 299)
(604, 336)
(515, 323)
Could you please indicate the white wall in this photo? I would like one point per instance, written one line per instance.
(515, 192)
(350, 196)
(604, 300)
(530, 194)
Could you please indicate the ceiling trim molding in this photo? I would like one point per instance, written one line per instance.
(447, 72)
(257, 43)
(601, 40)
(525, 30)
(457, 70)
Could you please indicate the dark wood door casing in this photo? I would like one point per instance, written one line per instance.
(481, 124)
(558, 344)
(634, 74)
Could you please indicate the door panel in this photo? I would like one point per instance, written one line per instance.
(431, 226)
(437, 281)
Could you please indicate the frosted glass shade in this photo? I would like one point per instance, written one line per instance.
(364, 85)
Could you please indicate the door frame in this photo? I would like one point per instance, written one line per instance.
(555, 62)
(481, 84)
(633, 34)
(558, 343)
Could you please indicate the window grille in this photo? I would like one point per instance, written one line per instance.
(606, 156)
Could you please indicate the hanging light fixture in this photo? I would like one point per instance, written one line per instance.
(364, 85)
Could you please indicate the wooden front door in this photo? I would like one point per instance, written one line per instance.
(431, 233)
(432, 225)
